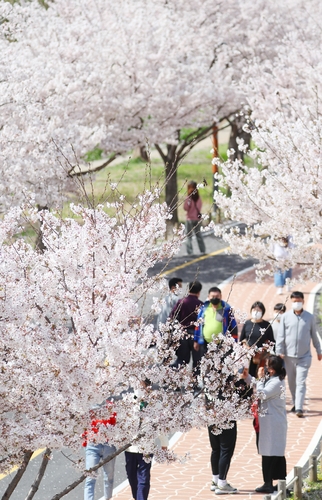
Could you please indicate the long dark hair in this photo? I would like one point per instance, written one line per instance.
(194, 195)
(277, 364)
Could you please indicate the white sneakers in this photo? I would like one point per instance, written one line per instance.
(225, 490)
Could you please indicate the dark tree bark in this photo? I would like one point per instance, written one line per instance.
(42, 469)
(84, 476)
(144, 155)
(20, 472)
(40, 244)
(237, 132)
(171, 161)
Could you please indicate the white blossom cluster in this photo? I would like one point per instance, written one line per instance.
(73, 333)
(278, 192)
(80, 74)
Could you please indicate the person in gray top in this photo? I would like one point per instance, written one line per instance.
(170, 300)
(293, 344)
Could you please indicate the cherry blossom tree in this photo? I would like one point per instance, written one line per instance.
(279, 194)
(80, 74)
(75, 331)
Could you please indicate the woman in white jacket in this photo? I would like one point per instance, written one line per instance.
(272, 421)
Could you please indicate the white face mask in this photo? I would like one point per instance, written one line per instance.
(277, 316)
(257, 314)
(297, 306)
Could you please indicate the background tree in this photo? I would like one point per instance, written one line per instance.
(75, 76)
(280, 194)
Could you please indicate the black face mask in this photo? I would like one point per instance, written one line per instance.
(215, 301)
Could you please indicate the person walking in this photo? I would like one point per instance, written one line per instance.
(272, 421)
(138, 470)
(279, 309)
(137, 464)
(170, 300)
(96, 452)
(214, 317)
(93, 455)
(222, 450)
(185, 311)
(281, 253)
(256, 331)
(192, 206)
(297, 329)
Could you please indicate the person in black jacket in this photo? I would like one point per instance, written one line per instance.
(256, 331)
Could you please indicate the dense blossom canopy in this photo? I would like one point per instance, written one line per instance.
(73, 333)
(74, 319)
(80, 74)
(278, 193)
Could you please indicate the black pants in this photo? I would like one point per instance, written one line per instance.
(223, 447)
(139, 474)
(273, 468)
(185, 350)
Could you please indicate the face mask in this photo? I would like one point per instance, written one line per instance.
(215, 301)
(277, 316)
(297, 306)
(257, 314)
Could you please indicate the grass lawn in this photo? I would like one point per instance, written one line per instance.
(134, 175)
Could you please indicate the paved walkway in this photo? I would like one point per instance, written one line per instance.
(191, 480)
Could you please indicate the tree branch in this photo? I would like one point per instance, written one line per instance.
(20, 472)
(42, 469)
(93, 469)
(159, 150)
(72, 173)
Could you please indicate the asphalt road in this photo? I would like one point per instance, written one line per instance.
(211, 269)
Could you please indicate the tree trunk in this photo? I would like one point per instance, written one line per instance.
(144, 155)
(237, 132)
(171, 161)
(171, 187)
(172, 157)
(40, 244)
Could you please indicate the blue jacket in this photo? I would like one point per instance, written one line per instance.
(229, 322)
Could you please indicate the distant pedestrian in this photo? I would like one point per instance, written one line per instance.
(186, 311)
(297, 328)
(281, 253)
(279, 309)
(256, 331)
(170, 300)
(272, 421)
(192, 206)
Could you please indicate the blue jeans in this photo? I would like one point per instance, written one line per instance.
(95, 453)
(281, 276)
(138, 473)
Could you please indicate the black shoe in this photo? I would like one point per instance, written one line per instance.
(266, 488)
(293, 409)
(299, 413)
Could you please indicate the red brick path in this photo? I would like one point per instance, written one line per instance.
(191, 480)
